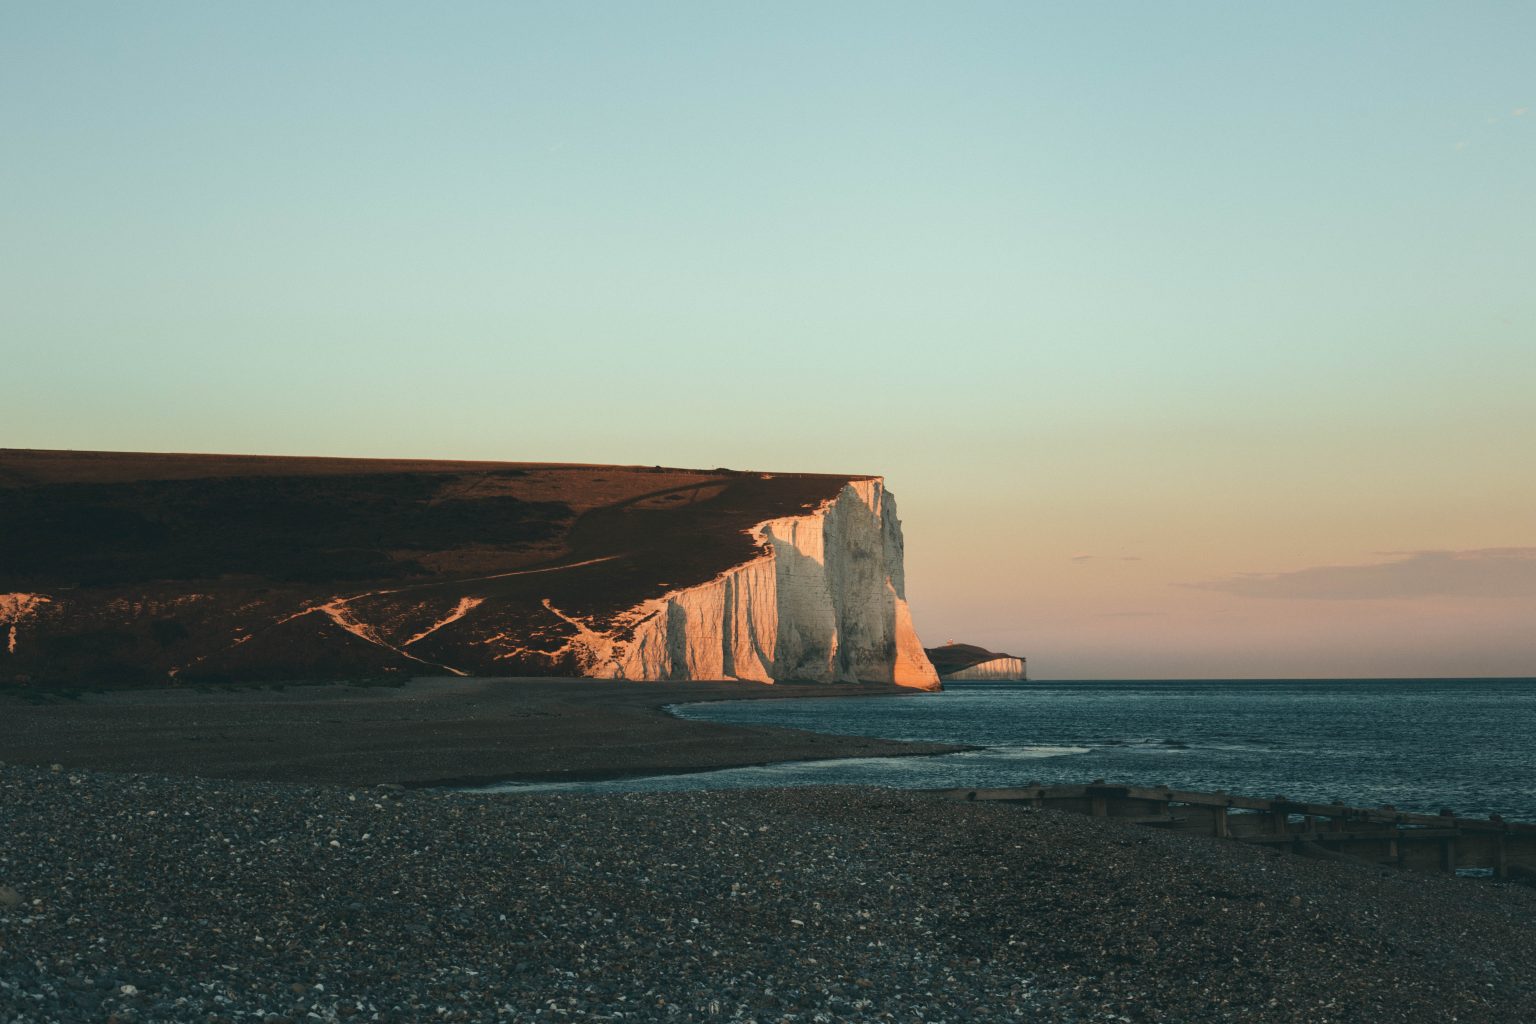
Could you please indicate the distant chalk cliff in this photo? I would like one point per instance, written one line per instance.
(125, 569)
(967, 662)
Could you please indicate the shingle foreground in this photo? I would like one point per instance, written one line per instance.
(138, 898)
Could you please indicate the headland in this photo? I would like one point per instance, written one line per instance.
(137, 569)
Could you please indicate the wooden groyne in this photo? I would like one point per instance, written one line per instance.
(1376, 835)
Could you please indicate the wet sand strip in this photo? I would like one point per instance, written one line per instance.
(428, 732)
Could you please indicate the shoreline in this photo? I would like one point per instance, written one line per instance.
(790, 905)
(428, 732)
(483, 787)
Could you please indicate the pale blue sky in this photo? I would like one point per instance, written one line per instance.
(1239, 287)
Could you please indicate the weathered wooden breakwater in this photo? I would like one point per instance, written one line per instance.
(1376, 835)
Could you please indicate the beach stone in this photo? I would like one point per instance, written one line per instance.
(914, 909)
(9, 897)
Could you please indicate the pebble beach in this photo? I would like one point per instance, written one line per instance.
(135, 898)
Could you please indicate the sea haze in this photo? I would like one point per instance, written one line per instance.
(1420, 744)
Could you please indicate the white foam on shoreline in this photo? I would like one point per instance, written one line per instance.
(1038, 751)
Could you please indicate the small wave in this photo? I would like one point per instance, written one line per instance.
(1041, 751)
(1136, 741)
(1140, 745)
(1140, 741)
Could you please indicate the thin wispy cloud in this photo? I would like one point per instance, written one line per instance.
(1491, 119)
(1484, 572)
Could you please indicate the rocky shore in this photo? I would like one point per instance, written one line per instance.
(141, 898)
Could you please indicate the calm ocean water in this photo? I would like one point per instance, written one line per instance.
(1421, 744)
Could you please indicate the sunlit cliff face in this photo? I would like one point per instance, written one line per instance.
(825, 601)
(16, 609)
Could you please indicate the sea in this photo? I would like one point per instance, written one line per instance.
(1417, 744)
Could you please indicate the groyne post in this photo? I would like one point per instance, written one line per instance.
(1279, 816)
(1383, 835)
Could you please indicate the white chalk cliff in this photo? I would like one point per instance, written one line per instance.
(269, 568)
(824, 601)
(1004, 668)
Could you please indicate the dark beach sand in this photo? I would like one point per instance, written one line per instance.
(425, 732)
(145, 894)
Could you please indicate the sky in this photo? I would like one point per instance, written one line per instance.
(1194, 339)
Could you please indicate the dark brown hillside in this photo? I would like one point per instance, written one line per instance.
(120, 568)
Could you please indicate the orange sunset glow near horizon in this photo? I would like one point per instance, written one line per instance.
(1193, 343)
